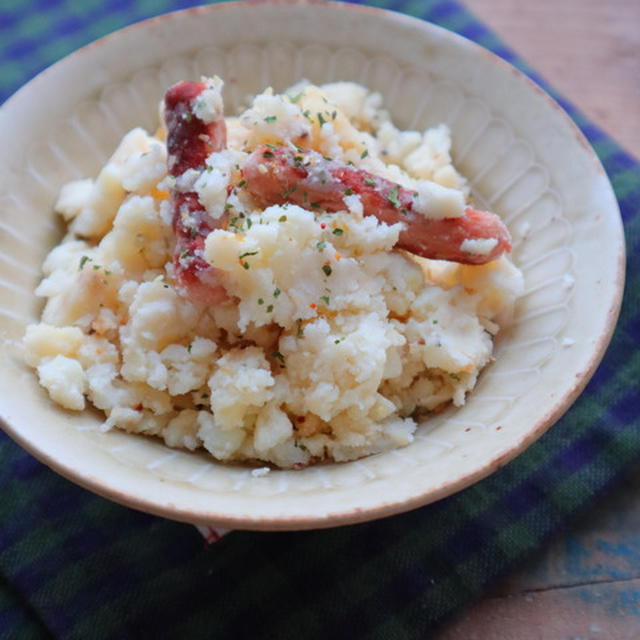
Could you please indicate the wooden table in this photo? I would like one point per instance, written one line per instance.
(587, 49)
(586, 585)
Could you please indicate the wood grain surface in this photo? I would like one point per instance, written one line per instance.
(586, 585)
(587, 49)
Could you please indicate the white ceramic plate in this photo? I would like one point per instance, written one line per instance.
(524, 157)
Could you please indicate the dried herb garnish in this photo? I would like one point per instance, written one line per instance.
(393, 197)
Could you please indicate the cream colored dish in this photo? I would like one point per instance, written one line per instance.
(522, 155)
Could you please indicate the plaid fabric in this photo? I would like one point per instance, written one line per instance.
(73, 565)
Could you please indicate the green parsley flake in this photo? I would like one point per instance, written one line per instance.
(300, 332)
(321, 245)
(242, 183)
(247, 253)
(260, 301)
(270, 308)
(327, 270)
(315, 205)
(276, 293)
(393, 197)
(249, 223)
(190, 347)
(325, 299)
(267, 154)
(321, 120)
(83, 261)
(278, 355)
(364, 154)
(348, 191)
(296, 98)
(96, 267)
(270, 118)
(246, 265)
(370, 181)
(338, 231)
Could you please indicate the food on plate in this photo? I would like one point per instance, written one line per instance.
(302, 282)
(191, 139)
(308, 179)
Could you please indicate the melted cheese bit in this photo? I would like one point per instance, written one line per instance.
(208, 105)
(479, 246)
(437, 202)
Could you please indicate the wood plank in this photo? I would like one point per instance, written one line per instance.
(602, 546)
(587, 49)
(604, 611)
(586, 585)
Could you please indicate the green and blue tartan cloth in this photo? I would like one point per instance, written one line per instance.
(73, 565)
